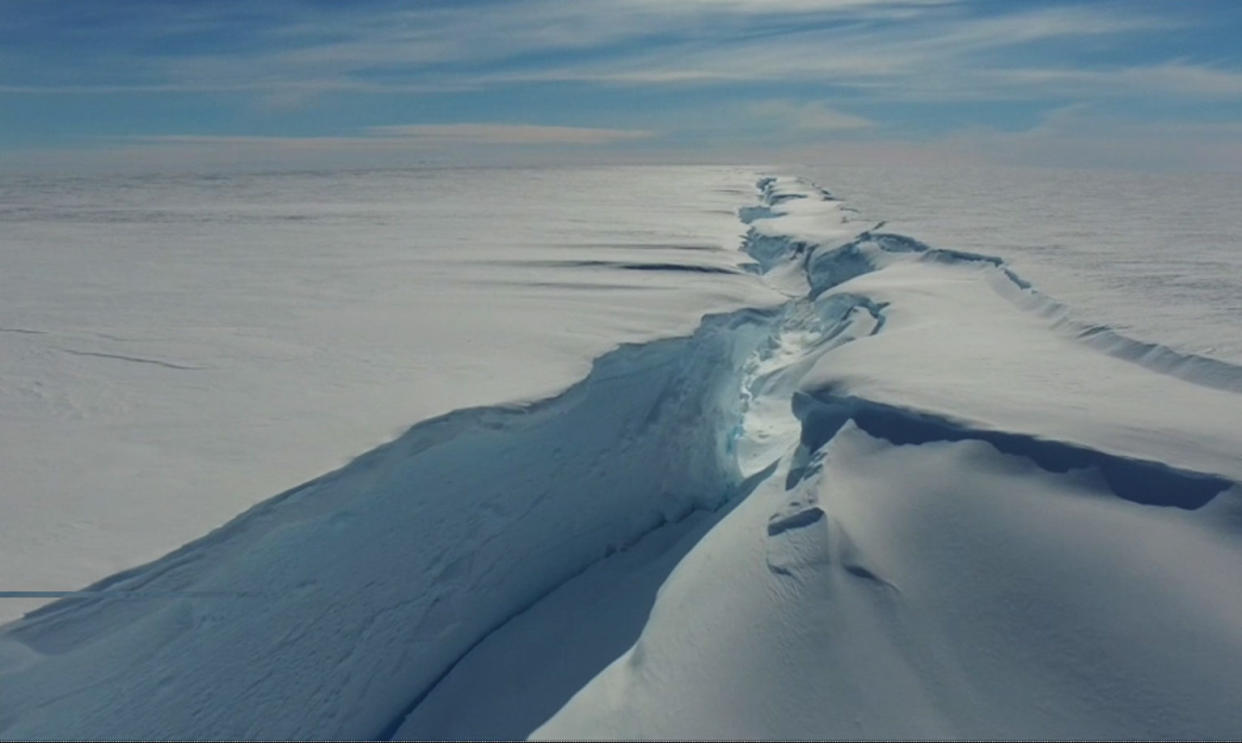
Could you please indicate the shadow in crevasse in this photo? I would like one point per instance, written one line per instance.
(523, 672)
(1135, 480)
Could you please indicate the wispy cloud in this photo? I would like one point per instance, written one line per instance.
(387, 46)
(417, 135)
(1178, 78)
(628, 74)
(1080, 136)
(508, 133)
(935, 45)
(807, 116)
(944, 56)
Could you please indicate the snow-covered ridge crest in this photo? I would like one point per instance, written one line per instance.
(949, 298)
(983, 527)
(799, 218)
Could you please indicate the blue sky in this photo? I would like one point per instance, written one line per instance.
(182, 84)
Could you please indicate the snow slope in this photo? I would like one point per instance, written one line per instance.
(908, 497)
(995, 531)
(1153, 255)
(201, 343)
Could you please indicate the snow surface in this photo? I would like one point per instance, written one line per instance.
(883, 489)
(198, 344)
(982, 535)
(1153, 255)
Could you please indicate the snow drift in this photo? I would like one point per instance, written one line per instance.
(986, 529)
(353, 593)
(201, 343)
(913, 501)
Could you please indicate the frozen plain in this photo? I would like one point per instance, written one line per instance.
(200, 344)
(883, 489)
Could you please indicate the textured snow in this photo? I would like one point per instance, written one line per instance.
(934, 591)
(1153, 255)
(844, 483)
(982, 532)
(198, 344)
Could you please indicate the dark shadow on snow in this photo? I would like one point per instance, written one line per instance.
(1136, 480)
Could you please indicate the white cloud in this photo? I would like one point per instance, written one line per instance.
(518, 134)
(927, 51)
(810, 116)
(943, 56)
(376, 147)
(1040, 24)
(938, 51)
(1171, 78)
(1078, 136)
(786, 6)
(415, 136)
(392, 49)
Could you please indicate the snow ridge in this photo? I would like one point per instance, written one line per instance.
(829, 263)
(1139, 481)
(939, 553)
